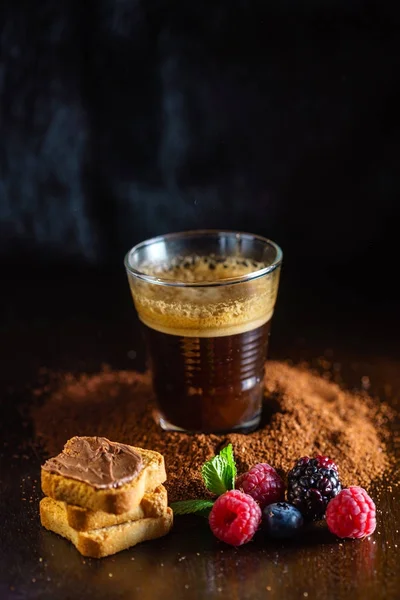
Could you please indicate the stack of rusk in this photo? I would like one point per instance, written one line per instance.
(103, 522)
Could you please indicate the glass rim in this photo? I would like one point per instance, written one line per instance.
(206, 233)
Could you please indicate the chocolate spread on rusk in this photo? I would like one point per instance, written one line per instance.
(96, 461)
(207, 345)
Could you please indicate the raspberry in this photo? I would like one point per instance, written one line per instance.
(312, 483)
(263, 484)
(352, 514)
(235, 518)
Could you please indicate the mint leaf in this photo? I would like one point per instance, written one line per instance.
(219, 473)
(230, 472)
(187, 507)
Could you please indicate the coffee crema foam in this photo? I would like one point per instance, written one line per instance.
(205, 311)
(202, 269)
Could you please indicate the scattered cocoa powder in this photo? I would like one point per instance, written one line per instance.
(304, 414)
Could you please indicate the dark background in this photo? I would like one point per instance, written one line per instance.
(123, 119)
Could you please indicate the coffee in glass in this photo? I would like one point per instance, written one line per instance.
(205, 300)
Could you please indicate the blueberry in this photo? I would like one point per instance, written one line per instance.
(281, 520)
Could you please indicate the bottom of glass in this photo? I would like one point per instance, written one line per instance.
(246, 427)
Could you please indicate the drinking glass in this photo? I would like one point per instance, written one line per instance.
(205, 300)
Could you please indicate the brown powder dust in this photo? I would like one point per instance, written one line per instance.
(304, 414)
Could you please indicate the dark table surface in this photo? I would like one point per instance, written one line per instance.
(77, 323)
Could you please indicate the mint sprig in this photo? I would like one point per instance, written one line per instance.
(186, 507)
(219, 473)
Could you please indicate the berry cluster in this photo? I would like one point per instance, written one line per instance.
(313, 492)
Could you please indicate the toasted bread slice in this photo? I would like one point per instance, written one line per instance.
(113, 500)
(153, 504)
(97, 543)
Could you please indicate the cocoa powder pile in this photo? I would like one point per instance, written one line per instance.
(305, 414)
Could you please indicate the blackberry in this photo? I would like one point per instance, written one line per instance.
(312, 483)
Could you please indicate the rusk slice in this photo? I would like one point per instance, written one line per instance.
(113, 500)
(97, 543)
(153, 504)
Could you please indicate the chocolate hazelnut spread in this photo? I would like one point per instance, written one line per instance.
(96, 461)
